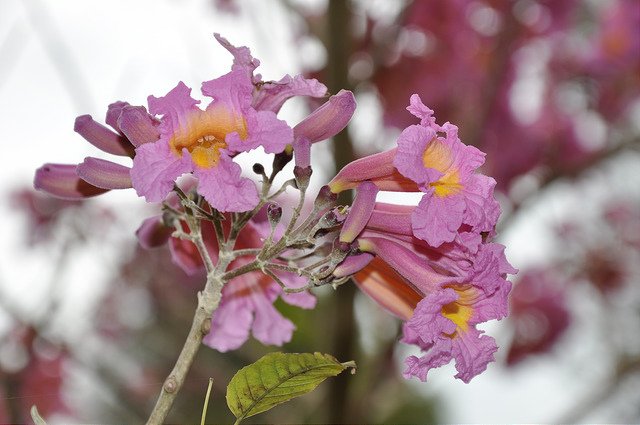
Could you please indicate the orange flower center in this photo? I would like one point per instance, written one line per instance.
(203, 134)
(438, 156)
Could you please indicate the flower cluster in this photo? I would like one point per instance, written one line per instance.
(432, 264)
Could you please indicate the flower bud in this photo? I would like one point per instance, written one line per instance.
(104, 174)
(61, 180)
(302, 175)
(101, 137)
(274, 214)
(258, 169)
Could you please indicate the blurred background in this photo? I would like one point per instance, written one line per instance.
(90, 323)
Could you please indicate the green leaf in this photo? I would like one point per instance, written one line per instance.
(276, 378)
(35, 416)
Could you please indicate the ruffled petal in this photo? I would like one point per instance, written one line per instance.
(437, 219)
(418, 109)
(156, 168)
(482, 210)
(272, 95)
(265, 130)
(427, 325)
(233, 90)
(472, 352)
(175, 107)
(409, 159)
(230, 323)
(269, 326)
(224, 188)
(438, 355)
(241, 55)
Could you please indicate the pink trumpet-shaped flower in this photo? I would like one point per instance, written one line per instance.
(432, 159)
(440, 305)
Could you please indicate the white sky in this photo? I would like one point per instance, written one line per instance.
(125, 50)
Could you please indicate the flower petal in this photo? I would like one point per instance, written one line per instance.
(265, 130)
(224, 188)
(437, 219)
(272, 95)
(156, 168)
(230, 323)
(175, 107)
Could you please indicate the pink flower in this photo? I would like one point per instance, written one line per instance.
(440, 302)
(204, 141)
(441, 293)
(431, 159)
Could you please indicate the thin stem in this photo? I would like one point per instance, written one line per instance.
(296, 212)
(206, 402)
(245, 252)
(286, 268)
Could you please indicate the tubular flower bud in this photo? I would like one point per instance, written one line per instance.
(377, 168)
(360, 212)
(101, 137)
(104, 174)
(329, 119)
(61, 181)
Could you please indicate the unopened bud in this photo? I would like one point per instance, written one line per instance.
(302, 175)
(325, 198)
(258, 169)
(274, 213)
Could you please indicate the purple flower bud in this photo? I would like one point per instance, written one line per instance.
(325, 198)
(302, 175)
(274, 214)
(360, 211)
(328, 120)
(352, 264)
(113, 113)
(104, 174)
(61, 180)
(101, 137)
(138, 125)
